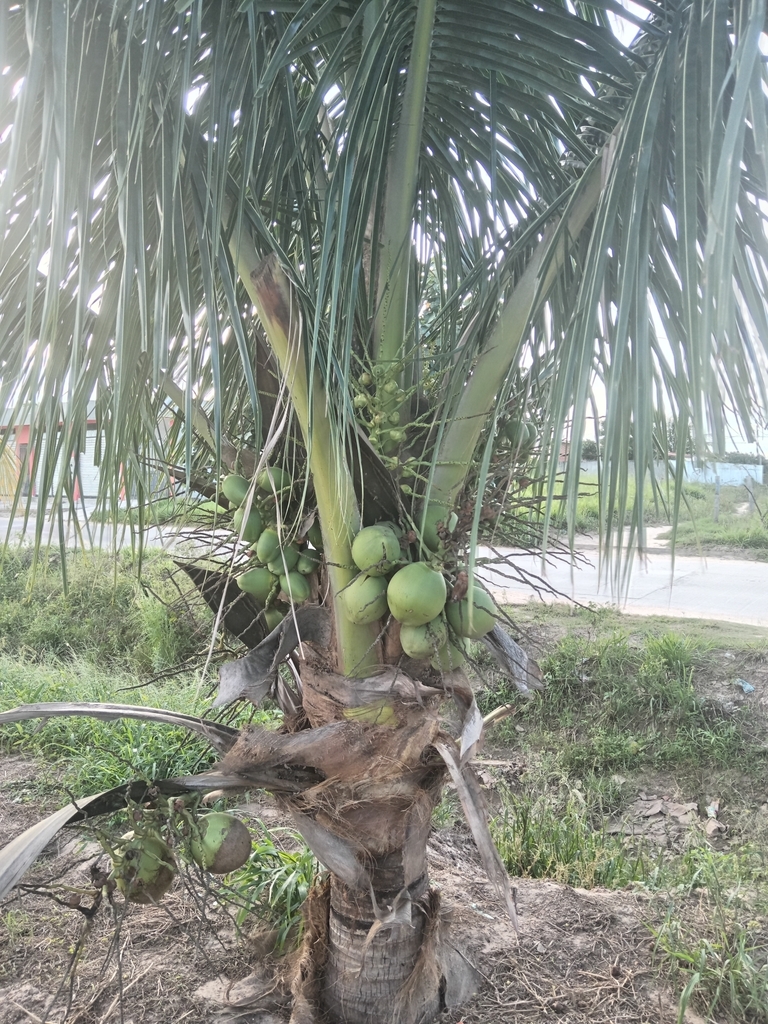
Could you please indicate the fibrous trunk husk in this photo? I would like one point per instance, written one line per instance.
(370, 949)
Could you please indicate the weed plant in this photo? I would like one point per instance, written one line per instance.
(275, 882)
(721, 959)
(89, 755)
(610, 706)
(614, 708)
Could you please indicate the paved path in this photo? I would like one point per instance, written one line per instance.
(729, 590)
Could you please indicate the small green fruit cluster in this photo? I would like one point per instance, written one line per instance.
(416, 595)
(280, 568)
(377, 403)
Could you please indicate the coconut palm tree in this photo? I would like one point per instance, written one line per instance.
(374, 260)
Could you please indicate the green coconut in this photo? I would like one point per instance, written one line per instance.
(235, 488)
(309, 560)
(273, 479)
(259, 582)
(376, 550)
(222, 843)
(285, 559)
(144, 869)
(474, 618)
(451, 655)
(426, 640)
(267, 545)
(315, 535)
(365, 599)
(436, 515)
(416, 594)
(253, 525)
(273, 617)
(521, 434)
(295, 586)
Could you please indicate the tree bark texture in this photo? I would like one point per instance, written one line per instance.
(368, 968)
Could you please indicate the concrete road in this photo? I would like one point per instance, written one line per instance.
(729, 590)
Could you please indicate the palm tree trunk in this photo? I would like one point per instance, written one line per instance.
(367, 979)
(369, 822)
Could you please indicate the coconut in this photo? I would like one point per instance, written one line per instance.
(308, 561)
(436, 515)
(253, 525)
(315, 536)
(144, 869)
(222, 844)
(273, 479)
(273, 617)
(376, 550)
(473, 618)
(451, 656)
(365, 599)
(259, 581)
(426, 640)
(295, 587)
(416, 594)
(235, 488)
(267, 545)
(521, 434)
(284, 559)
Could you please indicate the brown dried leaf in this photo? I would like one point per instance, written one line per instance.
(473, 805)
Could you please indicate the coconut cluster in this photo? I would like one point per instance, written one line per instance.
(280, 570)
(432, 624)
(144, 865)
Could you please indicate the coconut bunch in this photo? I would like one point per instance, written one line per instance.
(433, 625)
(280, 571)
(143, 863)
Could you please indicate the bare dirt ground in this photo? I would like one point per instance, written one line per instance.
(580, 956)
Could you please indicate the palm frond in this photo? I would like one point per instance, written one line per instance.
(141, 155)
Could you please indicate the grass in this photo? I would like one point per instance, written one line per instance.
(627, 708)
(86, 755)
(725, 971)
(610, 706)
(275, 883)
(747, 534)
(102, 614)
(737, 527)
(94, 641)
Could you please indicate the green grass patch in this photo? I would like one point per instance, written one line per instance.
(99, 611)
(723, 973)
(736, 526)
(87, 755)
(746, 533)
(560, 834)
(610, 706)
(625, 710)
